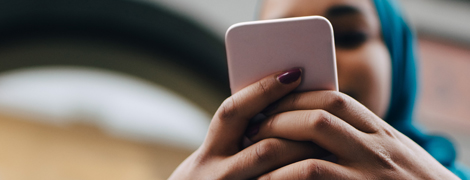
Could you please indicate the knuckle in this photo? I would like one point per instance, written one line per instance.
(266, 177)
(270, 124)
(319, 119)
(382, 157)
(388, 132)
(266, 150)
(230, 170)
(310, 171)
(228, 109)
(294, 99)
(338, 100)
(263, 87)
(201, 158)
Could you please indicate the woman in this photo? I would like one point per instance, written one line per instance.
(377, 78)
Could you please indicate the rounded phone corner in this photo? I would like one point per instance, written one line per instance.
(258, 48)
(232, 28)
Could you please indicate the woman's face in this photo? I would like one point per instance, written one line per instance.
(363, 61)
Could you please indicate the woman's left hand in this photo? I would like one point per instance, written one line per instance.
(365, 145)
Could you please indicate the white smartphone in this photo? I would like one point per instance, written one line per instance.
(259, 48)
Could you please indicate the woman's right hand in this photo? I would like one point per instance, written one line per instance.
(222, 155)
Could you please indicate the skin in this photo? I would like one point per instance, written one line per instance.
(222, 156)
(302, 128)
(364, 70)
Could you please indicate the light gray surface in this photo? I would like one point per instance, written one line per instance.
(443, 18)
(215, 14)
(448, 19)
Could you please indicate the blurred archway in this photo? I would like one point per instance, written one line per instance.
(134, 38)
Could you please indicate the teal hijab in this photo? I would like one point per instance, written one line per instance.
(400, 41)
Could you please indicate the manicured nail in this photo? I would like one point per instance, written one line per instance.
(289, 76)
(252, 130)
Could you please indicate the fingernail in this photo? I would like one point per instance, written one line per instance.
(252, 130)
(289, 76)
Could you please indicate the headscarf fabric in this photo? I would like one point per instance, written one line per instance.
(400, 42)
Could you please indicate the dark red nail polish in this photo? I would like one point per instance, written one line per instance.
(289, 76)
(252, 130)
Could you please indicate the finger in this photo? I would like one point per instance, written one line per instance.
(231, 119)
(339, 104)
(318, 126)
(311, 169)
(270, 154)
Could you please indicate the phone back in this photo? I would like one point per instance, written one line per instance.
(259, 48)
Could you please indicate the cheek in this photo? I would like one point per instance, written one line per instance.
(365, 74)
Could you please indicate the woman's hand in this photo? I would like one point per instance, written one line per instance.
(366, 147)
(222, 156)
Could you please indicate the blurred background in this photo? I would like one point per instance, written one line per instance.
(125, 89)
